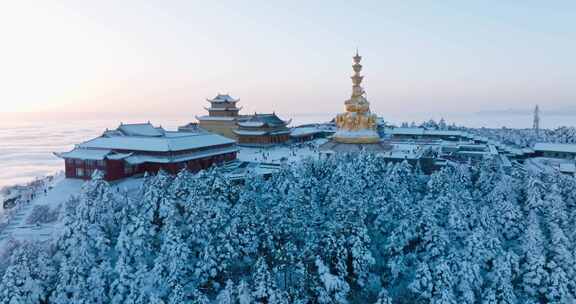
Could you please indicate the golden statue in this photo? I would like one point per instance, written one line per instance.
(357, 125)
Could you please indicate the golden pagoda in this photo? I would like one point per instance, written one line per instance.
(357, 125)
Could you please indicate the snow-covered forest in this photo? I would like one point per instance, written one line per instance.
(528, 137)
(509, 136)
(349, 229)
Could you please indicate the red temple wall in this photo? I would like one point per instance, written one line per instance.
(117, 169)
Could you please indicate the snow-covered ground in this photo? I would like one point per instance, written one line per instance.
(57, 193)
(283, 153)
(17, 227)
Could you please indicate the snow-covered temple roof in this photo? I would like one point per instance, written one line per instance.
(259, 132)
(92, 154)
(191, 127)
(527, 150)
(311, 130)
(567, 168)
(549, 147)
(263, 120)
(142, 129)
(87, 154)
(215, 118)
(223, 98)
(169, 142)
(251, 124)
(143, 138)
(161, 159)
(249, 132)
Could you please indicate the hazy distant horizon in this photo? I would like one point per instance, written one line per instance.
(560, 111)
(511, 118)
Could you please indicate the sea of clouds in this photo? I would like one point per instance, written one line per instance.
(27, 144)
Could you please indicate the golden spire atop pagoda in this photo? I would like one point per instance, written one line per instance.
(357, 124)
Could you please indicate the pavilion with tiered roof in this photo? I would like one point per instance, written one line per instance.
(223, 114)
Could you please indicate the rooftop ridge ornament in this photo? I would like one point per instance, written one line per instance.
(357, 124)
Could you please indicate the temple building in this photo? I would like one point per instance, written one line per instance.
(249, 130)
(223, 114)
(311, 132)
(133, 149)
(566, 151)
(357, 128)
(262, 130)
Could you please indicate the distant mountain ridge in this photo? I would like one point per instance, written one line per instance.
(515, 111)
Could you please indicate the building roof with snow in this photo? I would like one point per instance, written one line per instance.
(169, 143)
(310, 130)
(263, 121)
(567, 168)
(145, 138)
(138, 148)
(87, 154)
(223, 98)
(141, 129)
(262, 125)
(262, 130)
(192, 127)
(549, 147)
(136, 159)
(215, 118)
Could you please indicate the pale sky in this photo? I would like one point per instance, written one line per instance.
(287, 56)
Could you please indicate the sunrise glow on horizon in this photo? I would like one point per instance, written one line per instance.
(131, 56)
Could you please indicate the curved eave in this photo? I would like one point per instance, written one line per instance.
(279, 132)
(215, 118)
(222, 109)
(220, 101)
(110, 155)
(257, 126)
(119, 156)
(249, 132)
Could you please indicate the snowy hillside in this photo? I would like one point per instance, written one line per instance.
(47, 196)
(40, 217)
(349, 229)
